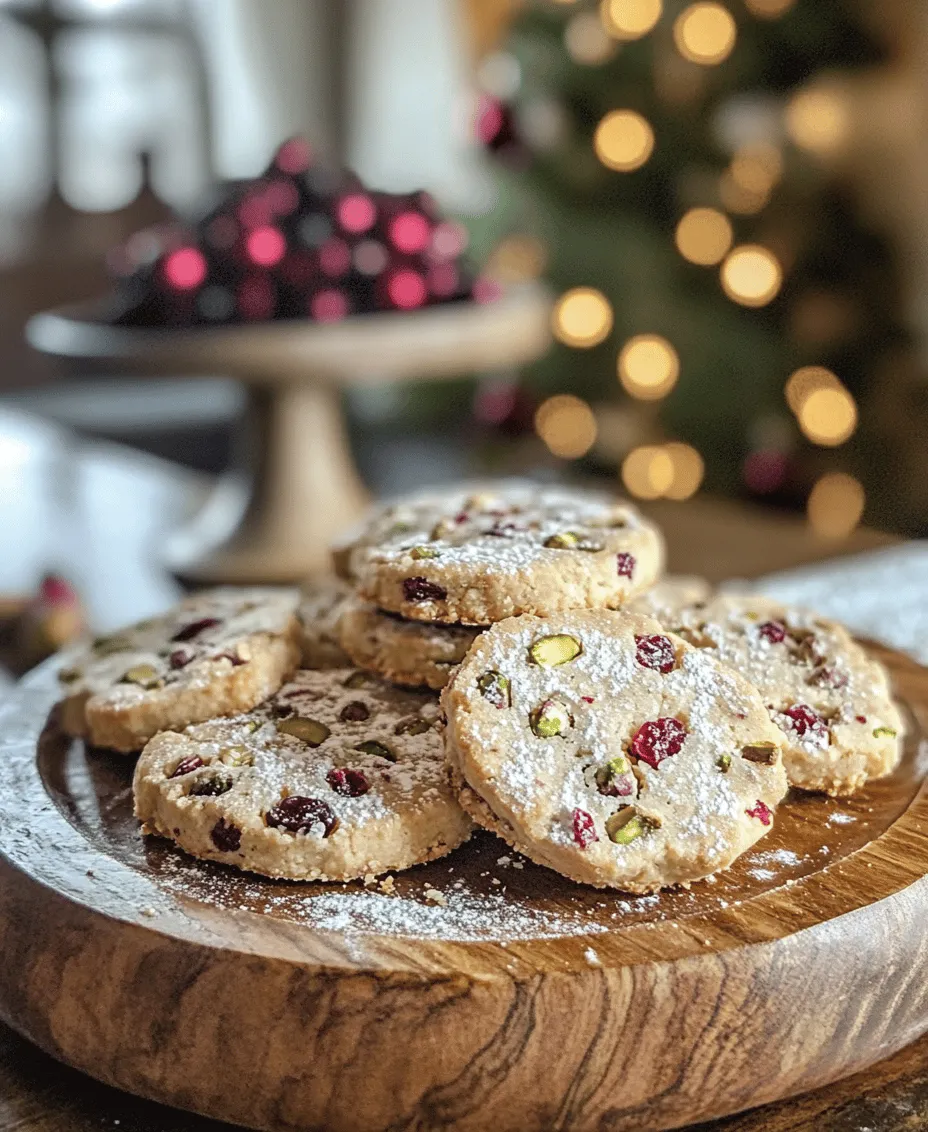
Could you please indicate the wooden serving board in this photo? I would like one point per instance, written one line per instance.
(517, 1002)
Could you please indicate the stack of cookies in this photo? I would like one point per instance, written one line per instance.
(624, 730)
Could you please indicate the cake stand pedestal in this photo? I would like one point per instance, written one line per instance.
(294, 485)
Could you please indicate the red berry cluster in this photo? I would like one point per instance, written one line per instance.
(300, 241)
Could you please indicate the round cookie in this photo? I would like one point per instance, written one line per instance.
(521, 548)
(338, 776)
(666, 598)
(611, 751)
(217, 652)
(414, 653)
(321, 607)
(831, 701)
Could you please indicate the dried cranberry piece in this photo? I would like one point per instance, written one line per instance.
(584, 828)
(297, 814)
(761, 811)
(828, 678)
(351, 783)
(180, 657)
(861, 718)
(461, 517)
(187, 766)
(655, 652)
(774, 631)
(355, 712)
(625, 564)
(803, 720)
(188, 632)
(421, 589)
(225, 836)
(658, 740)
(587, 699)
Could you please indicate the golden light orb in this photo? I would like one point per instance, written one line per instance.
(828, 416)
(757, 168)
(705, 33)
(517, 259)
(836, 505)
(751, 275)
(623, 140)
(647, 472)
(630, 19)
(806, 380)
(818, 120)
(688, 471)
(582, 317)
(587, 41)
(648, 367)
(704, 236)
(768, 9)
(567, 425)
(736, 198)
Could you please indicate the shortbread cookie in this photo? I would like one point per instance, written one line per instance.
(831, 701)
(664, 600)
(218, 652)
(338, 776)
(321, 608)
(414, 653)
(477, 559)
(607, 749)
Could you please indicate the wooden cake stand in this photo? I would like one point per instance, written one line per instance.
(480, 992)
(295, 486)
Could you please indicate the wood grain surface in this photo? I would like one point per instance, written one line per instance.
(250, 1001)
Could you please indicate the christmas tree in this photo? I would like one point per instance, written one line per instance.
(725, 315)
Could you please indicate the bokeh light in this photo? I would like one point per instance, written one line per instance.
(757, 168)
(704, 236)
(265, 246)
(185, 269)
(582, 317)
(648, 367)
(836, 505)
(688, 471)
(828, 416)
(517, 259)
(356, 213)
(647, 472)
(751, 275)
(818, 120)
(806, 380)
(705, 33)
(630, 19)
(768, 9)
(567, 425)
(410, 232)
(623, 140)
(406, 289)
(739, 200)
(587, 41)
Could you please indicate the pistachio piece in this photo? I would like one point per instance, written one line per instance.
(69, 675)
(495, 687)
(765, 753)
(627, 826)
(418, 552)
(311, 731)
(252, 725)
(398, 528)
(564, 540)
(557, 649)
(212, 786)
(106, 646)
(236, 755)
(723, 762)
(551, 718)
(884, 732)
(614, 779)
(414, 725)
(372, 747)
(356, 680)
(145, 675)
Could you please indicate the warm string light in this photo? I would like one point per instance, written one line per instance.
(668, 471)
(739, 200)
(567, 425)
(623, 140)
(828, 417)
(705, 33)
(630, 19)
(751, 275)
(768, 9)
(648, 367)
(818, 120)
(806, 380)
(836, 505)
(704, 236)
(587, 41)
(582, 317)
(517, 259)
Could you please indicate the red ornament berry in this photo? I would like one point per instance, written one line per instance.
(421, 589)
(195, 628)
(658, 740)
(187, 766)
(625, 564)
(225, 836)
(584, 828)
(761, 811)
(297, 814)
(774, 631)
(350, 783)
(803, 720)
(655, 652)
